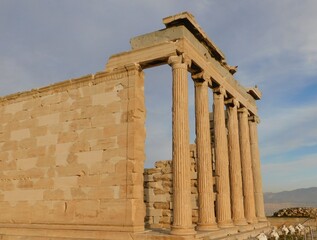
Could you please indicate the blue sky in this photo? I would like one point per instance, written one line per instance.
(274, 43)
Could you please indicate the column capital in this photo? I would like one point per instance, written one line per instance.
(180, 59)
(220, 91)
(232, 102)
(201, 77)
(254, 118)
(243, 110)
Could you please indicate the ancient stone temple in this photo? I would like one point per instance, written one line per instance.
(72, 153)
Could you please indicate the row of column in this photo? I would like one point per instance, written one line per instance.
(239, 184)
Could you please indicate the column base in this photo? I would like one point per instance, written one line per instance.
(252, 221)
(262, 219)
(226, 224)
(182, 231)
(207, 227)
(240, 222)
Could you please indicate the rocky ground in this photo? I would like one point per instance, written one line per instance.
(297, 212)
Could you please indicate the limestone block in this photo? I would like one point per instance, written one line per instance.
(92, 111)
(47, 140)
(103, 144)
(46, 162)
(117, 107)
(148, 178)
(156, 219)
(133, 191)
(23, 195)
(21, 115)
(61, 159)
(26, 163)
(73, 93)
(72, 170)
(89, 158)
(154, 212)
(101, 168)
(70, 181)
(79, 124)
(80, 146)
(10, 145)
(163, 177)
(7, 165)
(20, 134)
(105, 98)
(31, 103)
(36, 151)
(161, 205)
(67, 137)
(84, 101)
(106, 120)
(27, 143)
(56, 129)
(6, 117)
(104, 192)
(113, 179)
(57, 194)
(79, 193)
(113, 211)
(63, 147)
(90, 133)
(14, 107)
(38, 131)
(43, 183)
(49, 119)
(69, 115)
(6, 185)
(110, 154)
(89, 181)
(28, 123)
(29, 173)
(136, 166)
(114, 130)
(87, 208)
(150, 171)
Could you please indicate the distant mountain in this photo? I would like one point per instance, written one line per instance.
(302, 197)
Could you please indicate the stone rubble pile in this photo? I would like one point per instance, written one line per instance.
(296, 212)
(158, 193)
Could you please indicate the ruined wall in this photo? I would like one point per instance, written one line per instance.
(158, 193)
(73, 153)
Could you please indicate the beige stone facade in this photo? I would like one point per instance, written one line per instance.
(72, 154)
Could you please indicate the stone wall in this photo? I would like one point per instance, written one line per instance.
(158, 193)
(73, 153)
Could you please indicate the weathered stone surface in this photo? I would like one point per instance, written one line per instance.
(72, 153)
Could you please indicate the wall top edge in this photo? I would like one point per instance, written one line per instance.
(89, 79)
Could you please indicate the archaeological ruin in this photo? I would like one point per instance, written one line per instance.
(72, 154)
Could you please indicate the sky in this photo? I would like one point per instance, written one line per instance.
(274, 43)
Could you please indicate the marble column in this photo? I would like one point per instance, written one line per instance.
(223, 207)
(206, 211)
(182, 208)
(247, 176)
(235, 164)
(256, 167)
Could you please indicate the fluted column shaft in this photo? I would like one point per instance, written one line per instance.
(235, 165)
(247, 176)
(182, 209)
(256, 167)
(223, 210)
(206, 212)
